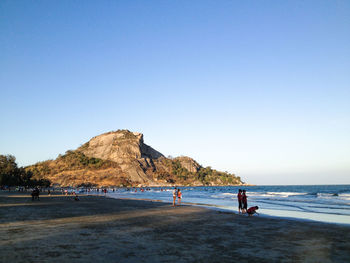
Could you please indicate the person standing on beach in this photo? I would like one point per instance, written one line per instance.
(174, 196)
(179, 196)
(239, 197)
(244, 202)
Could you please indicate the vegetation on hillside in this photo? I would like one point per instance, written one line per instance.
(12, 175)
(75, 159)
(71, 160)
(205, 175)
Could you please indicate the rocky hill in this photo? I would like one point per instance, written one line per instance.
(121, 158)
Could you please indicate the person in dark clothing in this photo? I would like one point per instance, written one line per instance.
(244, 202)
(35, 194)
(252, 210)
(76, 197)
(239, 197)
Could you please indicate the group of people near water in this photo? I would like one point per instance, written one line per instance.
(177, 194)
(241, 196)
(243, 204)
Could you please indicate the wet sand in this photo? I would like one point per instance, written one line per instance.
(99, 229)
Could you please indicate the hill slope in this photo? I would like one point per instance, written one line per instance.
(121, 158)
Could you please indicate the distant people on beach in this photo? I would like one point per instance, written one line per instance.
(243, 204)
(179, 196)
(240, 205)
(242, 201)
(174, 196)
(252, 210)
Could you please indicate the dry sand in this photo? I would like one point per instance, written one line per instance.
(99, 229)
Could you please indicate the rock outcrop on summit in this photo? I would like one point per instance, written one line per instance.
(121, 158)
(119, 147)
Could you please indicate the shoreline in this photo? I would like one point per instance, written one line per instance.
(264, 211)
(229, 210)
(99, 228)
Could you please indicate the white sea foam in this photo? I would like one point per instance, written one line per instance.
(344, 196)
(230, 194)
(285, 194)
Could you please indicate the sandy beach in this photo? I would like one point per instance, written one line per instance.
(99, 229)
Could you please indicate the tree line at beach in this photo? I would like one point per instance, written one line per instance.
(12, 175)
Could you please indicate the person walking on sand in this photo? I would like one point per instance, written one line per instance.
(240, 205)
(244, 202)
(179, 196)
(174, 196)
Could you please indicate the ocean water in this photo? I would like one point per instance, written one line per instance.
(325, 203)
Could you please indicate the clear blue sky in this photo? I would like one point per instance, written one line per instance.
(258, 88)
